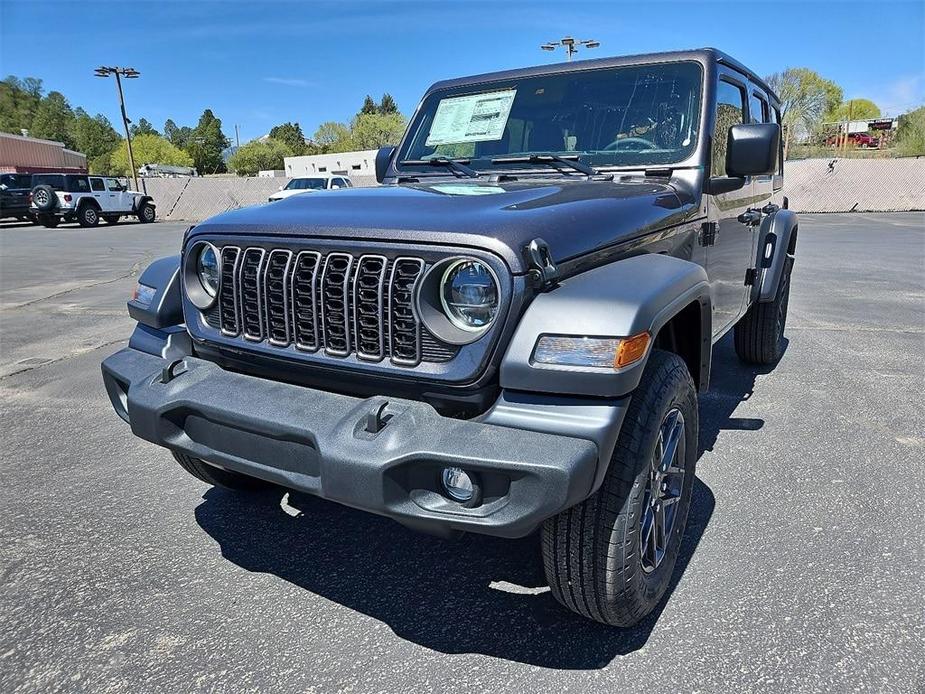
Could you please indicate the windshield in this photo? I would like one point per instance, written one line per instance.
(638, 115)
(306, 184)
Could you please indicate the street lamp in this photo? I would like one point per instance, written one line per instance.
(128, 73)
(571, 45)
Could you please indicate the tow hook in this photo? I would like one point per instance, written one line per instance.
(378, 418)
(172, 370)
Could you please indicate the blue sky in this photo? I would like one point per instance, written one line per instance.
(257, 64)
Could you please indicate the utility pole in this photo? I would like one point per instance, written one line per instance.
(847, 127)
(128, 73)
(571, 46)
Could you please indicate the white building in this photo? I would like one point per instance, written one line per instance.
(360, 164)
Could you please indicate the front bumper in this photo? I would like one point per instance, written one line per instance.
(320, 443)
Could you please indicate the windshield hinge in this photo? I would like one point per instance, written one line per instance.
(541, 268)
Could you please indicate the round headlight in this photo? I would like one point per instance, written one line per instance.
(202, 275)
(469, 295)
(207, 268)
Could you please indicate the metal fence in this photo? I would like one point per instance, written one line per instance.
(812, 185)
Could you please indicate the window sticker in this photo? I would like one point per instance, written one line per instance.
(473, 118)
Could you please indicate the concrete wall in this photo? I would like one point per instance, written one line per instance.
(861, 185)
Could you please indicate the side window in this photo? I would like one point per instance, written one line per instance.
(113, 184)
(78, 184)
(730, 110)
(97, 184)
(775, 118)
(757, 109)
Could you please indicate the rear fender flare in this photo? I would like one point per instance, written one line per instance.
(624, 298)
(778, 242)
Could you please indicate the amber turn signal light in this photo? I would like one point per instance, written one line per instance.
(631, 350)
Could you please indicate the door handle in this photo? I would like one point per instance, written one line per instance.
(750, 217)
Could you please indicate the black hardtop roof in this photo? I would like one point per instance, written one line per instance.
(700, 54)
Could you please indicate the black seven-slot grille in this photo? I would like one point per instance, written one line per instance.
(339, 303)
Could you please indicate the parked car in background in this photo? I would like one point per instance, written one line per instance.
(854, 140)
(58, 197)
(308, 184)
(14, 196)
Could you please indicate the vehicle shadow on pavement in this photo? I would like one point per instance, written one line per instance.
(473, 595)
(731, 383)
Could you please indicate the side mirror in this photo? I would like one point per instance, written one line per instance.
(751, 149)
(281, 187)
(383, 159)
(335, 186)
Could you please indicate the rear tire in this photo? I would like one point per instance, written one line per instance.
(605, 558)
(88, 216)
(146, 213)
(759, 334)
(216, 476)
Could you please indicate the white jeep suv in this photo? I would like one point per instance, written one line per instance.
(58, 197)
(307, 184)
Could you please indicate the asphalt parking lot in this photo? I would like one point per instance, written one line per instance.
(801, 568)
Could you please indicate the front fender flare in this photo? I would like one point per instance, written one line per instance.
(165, 308)
(621, 299)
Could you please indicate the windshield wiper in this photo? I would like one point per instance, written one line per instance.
(551, 159)
(451, 164)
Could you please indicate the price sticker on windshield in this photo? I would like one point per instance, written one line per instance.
(473, 118)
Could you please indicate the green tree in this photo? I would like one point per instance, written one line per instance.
(332, 134)
(177, 136)
(369, 106)
(854, 109)
(53, 120)
(291, 134)
(258, 155)
(910, 133)
(19, 100)
(805, 97)
(143, 127)
(206, 144)
(387, 105)
(95, 137)
(148, 149)
(375, 130)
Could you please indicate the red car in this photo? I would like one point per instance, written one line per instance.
(854, 140)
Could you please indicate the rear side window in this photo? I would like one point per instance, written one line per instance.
(97, 184)
(56, 181)
(730, 110)
(16, 180)
(758, 109)
(78, 184)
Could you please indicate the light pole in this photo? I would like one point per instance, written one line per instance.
(128, 73)
(571, 45)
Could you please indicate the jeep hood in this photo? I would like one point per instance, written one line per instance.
(574, 217)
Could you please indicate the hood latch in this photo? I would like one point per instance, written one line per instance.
(542, 269)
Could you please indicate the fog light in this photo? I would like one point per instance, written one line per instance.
(458, 484)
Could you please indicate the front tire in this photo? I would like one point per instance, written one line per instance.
(146, 213)
(611, 557)
(216, 476)
(88, 216)
(759, 334)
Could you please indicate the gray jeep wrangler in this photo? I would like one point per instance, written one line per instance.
(508, 335)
